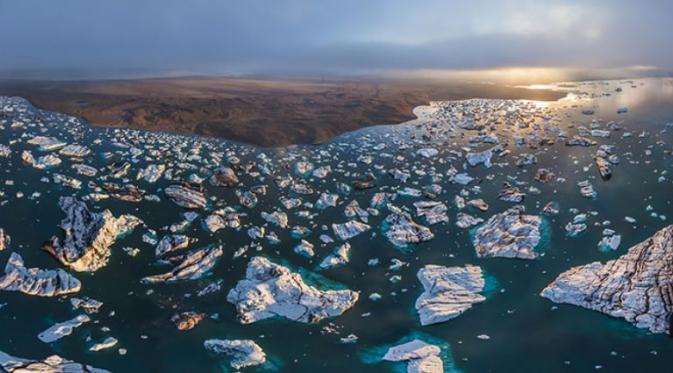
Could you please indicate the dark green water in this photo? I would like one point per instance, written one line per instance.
(527, 333)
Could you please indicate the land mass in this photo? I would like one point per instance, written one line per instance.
(262, 111)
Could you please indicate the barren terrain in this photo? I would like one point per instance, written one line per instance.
(267, 112)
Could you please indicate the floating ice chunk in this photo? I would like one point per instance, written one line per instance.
(339, 257)
(187, 320)
(277, 218)
(327, 200)
(510, 234)
(402, 230)
(511, 194)
(193, 266)
(628, 287)
(449, 291)
(5, 151)
(186, 195)
(526, 159)
(86, 304)
(464, 220)
(60, 330)
(5, 240)
(171, 243)
(420, 356)
(303, 168)
(214, 222)
(434, 212)
(107, 343)
(53, 363)
(43, 162)
(483, 157)
(88, 235)
(461, 178)
(610, 242)
(349, 229)
(75, 151)
(427, 152)
(304, 248)
(34, 281)
(244, 353)
(225, 177)
(151, 173)
(46, 144)
(579, 141)
(586, 189)
(270, 290)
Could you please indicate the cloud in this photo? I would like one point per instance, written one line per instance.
(100, 38)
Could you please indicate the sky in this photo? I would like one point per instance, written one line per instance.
(116, 38)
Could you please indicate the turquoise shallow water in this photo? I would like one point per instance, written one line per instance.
(527, 333)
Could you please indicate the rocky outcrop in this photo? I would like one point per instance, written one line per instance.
(34, 281)
(62, 329)
(402, 230)
(638, 286)
(243, 352)
(88, 235)
(187, 196)
(187, 320)
(510, 234)
(270, 290)
(449, 291)
(54, 363)
(421, 357)
(193, 266)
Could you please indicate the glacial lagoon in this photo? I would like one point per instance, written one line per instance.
(512, 329)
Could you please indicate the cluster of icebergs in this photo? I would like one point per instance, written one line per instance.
(375, 194)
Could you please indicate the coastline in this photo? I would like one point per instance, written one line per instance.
(268, 113)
